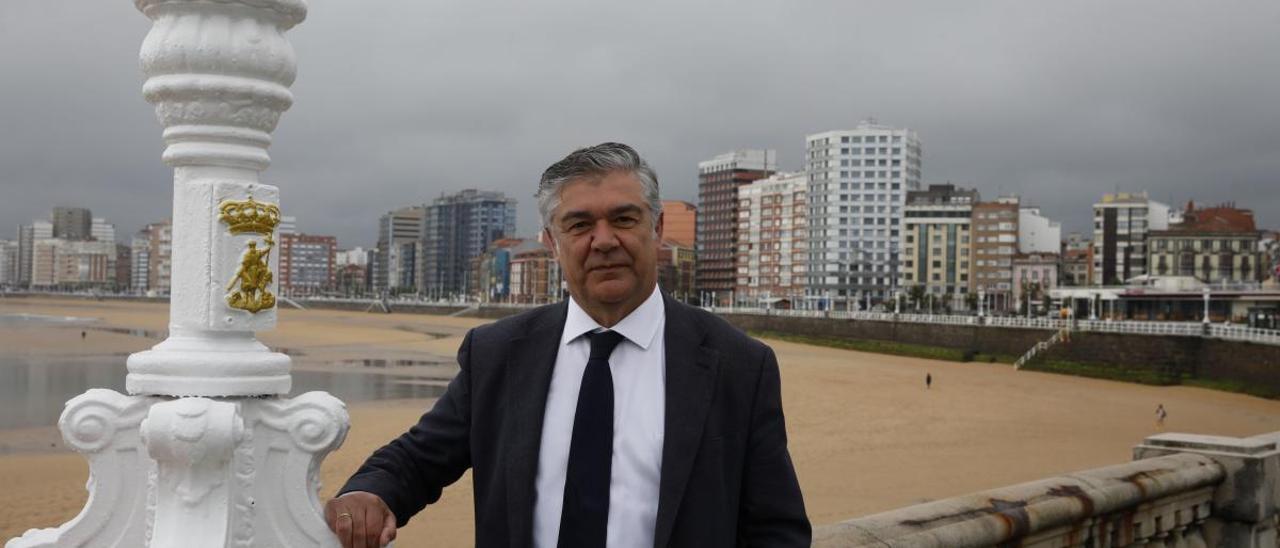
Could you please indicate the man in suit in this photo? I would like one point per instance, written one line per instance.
(618, 418)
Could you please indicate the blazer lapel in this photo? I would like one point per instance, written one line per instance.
(691, 371)
(529, 364)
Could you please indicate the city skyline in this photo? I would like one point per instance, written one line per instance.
(1058, 103)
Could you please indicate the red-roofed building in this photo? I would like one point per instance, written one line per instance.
(1077, 267)
(1218, 244)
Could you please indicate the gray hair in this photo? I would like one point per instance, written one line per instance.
(598, 160)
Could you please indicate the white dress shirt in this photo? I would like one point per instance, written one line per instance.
(638, 366)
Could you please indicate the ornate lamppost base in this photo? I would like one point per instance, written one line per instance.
(198, 472)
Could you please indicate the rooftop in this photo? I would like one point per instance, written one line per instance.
(1223, 218)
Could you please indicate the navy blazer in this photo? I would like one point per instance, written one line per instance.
(727, 478)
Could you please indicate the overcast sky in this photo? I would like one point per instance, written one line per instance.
(397, 101)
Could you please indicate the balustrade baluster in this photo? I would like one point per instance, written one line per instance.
(1160, 534)
(1139, 538)
(1195, 535)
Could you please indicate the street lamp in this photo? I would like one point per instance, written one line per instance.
(1206, 305)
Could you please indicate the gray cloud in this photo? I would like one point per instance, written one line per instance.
(397, 102)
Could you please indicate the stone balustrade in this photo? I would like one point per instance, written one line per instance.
(1183, 491)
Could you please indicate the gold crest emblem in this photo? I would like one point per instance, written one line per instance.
(254, 276)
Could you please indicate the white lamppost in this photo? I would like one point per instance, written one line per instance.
(982, 298)
(1206, 305)
(1027, 295)
(205, 451)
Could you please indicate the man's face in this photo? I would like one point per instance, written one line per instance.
(606, 240)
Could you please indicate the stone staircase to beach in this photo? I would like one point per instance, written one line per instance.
(1059, 336)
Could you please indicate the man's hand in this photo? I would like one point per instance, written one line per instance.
(361, 520)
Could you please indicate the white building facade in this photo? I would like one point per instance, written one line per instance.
(1121, 222)
(8, 262)
(140, 265)
(1037, 233)
(858, 182)
(103, 231)
(358, 256)
(28, 235)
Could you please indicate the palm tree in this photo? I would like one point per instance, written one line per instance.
(916, 295)
(1030, 292)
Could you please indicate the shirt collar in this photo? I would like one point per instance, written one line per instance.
(639, 327)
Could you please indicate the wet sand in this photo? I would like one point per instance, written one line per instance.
(866, 435)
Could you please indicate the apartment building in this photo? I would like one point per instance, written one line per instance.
(772, 240)
(535, 274)
(1218, 244)
(159, 238)
(72, 223)
(458, 228)
(1034, 274)
(395, 261)
(717, 219)
(680, 222)
(8, 262)
(995, 242)
(1121, 222)
(677, 263)
(308, 263)
(858, 184)
(937, 242)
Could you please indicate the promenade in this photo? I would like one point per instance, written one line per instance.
(866, 435)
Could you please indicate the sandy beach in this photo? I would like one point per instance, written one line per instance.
(865, 434)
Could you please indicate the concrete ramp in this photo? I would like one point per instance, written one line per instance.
(468, 310)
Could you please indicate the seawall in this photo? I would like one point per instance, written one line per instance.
(1235, 365)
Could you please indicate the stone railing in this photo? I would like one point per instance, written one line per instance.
(1183, 491)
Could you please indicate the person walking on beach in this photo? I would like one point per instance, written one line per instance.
(928, 380)
(1160, 415)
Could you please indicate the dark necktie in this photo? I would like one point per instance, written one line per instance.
(585, 516)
